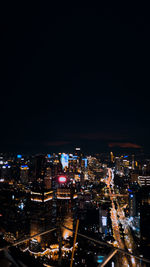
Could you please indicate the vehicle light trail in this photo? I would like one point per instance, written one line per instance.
(119, 213)
(115, 223)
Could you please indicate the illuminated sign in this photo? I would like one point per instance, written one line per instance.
(62, 179)
(19, 156)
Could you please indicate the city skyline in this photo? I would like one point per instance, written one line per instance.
(106, 195)
(74, 139)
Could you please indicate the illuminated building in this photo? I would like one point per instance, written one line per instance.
(77, 177)
(136, 164)
(86, 177)
(41, 196)
(48, 183)
(103, 220)
(41, 190)
(64, 160)
(132, 205)
(24, 174)
(111, 157)
(55, 165)
(68, 222)
(144, 180)
(48, 178)
(144, 196)
(84, 163)
(126, 163)
(78, 151)
(134, 177)
(82, 178)
(73, 162)
(133, 163)
(65, 193)
(64, 188)
(39, 166)
(118, 165)
(6, 172)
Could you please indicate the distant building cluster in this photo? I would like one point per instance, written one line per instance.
(103, 190)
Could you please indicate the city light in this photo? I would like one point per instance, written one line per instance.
(74, 184)
(100, 259)
(62, 179)
(75, 135)
(64, 160)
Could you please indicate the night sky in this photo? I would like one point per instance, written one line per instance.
(74, 77)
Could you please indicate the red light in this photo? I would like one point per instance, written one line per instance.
(62, 179)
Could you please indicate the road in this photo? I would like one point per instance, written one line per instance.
(117, 217)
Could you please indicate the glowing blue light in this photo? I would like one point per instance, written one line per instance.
(21, 206)
(64, 160)
(24, 166)
(85, 162)
(129, 190)
(131, 196)
(125, 156)
(100, 259)
(19, 156)
(48, 155)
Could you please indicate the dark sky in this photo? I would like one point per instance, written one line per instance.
(74, 77)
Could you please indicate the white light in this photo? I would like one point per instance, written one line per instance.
(104, 221)
(63, 197)
(47, 199)
(133, 260)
